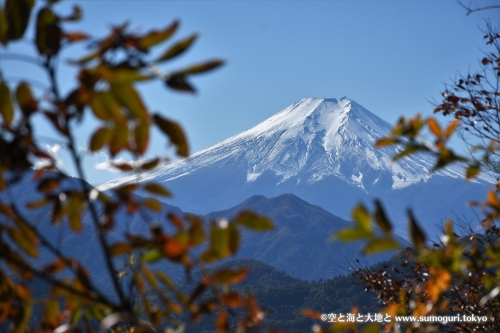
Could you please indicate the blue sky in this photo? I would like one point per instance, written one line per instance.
(392, 57)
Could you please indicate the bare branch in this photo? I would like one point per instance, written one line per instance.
(477, 9)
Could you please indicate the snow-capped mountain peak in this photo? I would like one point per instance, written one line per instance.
(322, 150)
(311, 139)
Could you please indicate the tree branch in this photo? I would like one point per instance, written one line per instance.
(125, 304)
(471, 10)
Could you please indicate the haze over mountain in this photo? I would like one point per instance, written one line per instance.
(320, 149)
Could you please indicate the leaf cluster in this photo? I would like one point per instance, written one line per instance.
(142, 297)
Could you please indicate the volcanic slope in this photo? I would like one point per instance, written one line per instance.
(320, 149)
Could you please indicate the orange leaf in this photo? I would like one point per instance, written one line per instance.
(493, 199)
(451, 128)
(434, 127)
(75, 36)
(227, 276)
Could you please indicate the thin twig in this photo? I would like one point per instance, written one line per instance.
(76, 158)
(472, 10)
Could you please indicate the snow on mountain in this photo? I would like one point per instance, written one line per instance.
(311, 143)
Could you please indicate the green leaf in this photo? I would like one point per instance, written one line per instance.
(22, 324)
(25, 98)
(48, 185)
(75, 206)
(372, 328)
(51, 311)
(174, 132)
(4, 27)
(165, 279)
(179, 82)
(178, 48)
(6, 108)
(416, 234)
(48, 33)
(197, 234)
(121, 75)
(100, 137)
(234, 238)
(381, 218)
(151, 164)
(18, 14)
(125, 189)
(201, 68)
(25, 243)
(153, 204)
(105, 106)
(472, 171)
(362, 218)
(128, 97)
(151, 256)
(381, 245)
(75, 317)
(157, 189)
(219, 241)
(351, 234)
(37, 204)
(141, 135)
(155, 37)
(254, 221)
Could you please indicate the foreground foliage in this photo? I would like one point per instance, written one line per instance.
(453, 275)
(142, 297)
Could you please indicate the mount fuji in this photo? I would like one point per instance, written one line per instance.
(322, 150)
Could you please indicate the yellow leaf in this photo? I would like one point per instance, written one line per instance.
(472, 171)
(254, 221)
(105, 106)
(381, 245)
(149, 276)
(51, 311)
(119, 138)
(153, 204)
(128, 97)
(24, 243)
(362, 218)
(157, 189)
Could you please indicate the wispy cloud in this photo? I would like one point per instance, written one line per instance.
(53, 151)
(108, 163)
